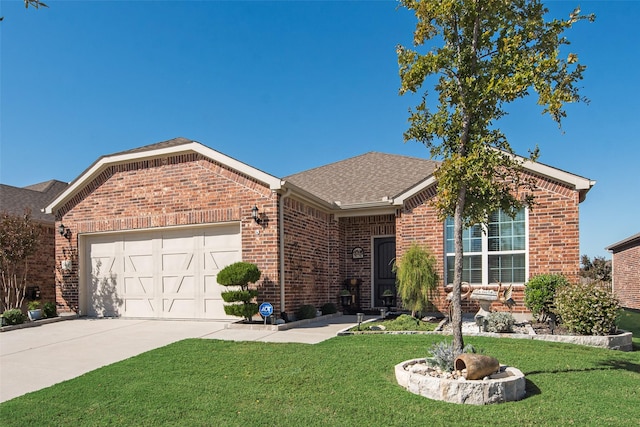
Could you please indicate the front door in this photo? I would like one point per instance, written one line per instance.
(384, 254)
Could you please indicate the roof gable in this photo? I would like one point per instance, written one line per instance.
(371, 178)
(174, 146)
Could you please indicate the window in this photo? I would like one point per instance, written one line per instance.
(496, 253)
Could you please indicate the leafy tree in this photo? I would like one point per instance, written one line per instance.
(598, 270)
(19, 237)
(37, 4)
(485, 54)
(240, 274)
(416, 278)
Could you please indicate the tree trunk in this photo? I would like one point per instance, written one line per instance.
(456, 302)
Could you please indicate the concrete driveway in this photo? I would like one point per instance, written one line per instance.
(38, 357)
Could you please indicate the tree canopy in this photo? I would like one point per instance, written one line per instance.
(483, 54)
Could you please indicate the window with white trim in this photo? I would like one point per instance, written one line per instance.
(492, 254)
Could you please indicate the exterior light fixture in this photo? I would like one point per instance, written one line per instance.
(360, 318)
(256, 215)
(64, 231)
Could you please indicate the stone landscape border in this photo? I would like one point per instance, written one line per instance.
(623, 341)
(507, 385)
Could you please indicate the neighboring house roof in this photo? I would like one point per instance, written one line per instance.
(15, 200)
(368, 178)
(624, 244)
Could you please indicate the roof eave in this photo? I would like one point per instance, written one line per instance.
(105, 161)
(402, 197)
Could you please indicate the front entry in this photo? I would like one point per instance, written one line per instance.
(384, 254)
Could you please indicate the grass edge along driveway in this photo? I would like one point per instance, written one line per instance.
(345, 381)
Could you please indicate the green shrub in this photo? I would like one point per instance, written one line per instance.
(306, 312)
(416, 278)
(589, 309)
(442, 355)
(246, 310)
(49, 309)
(240, 274)
(329, 308)
(239, 296)
(33, 305)
(14, 316)
(540, 292)
(499, 322)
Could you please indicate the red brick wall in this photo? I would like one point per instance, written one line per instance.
(554, 245)
(170, 191)
(626, 283)
(554, 232)
(359, 232)
(310, 256)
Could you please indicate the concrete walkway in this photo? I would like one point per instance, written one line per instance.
(38, 357)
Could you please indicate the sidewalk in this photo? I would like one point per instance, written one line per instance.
(38, 357)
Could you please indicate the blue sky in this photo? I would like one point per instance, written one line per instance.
(286, 86)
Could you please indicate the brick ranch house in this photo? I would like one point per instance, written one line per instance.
(151, 227)
(625, 265)
(15, 201)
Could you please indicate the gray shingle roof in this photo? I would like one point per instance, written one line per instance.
(366, 178)
(14, 200)
(164, 144)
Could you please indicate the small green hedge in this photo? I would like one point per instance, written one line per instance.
(14, 316)
(540, 292)
(329, 308)
(589, 309)
(306, 312)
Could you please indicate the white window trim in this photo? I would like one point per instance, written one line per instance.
(484, 255)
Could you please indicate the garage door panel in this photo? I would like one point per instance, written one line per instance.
(181, 285)
(177, 262)
(134, 263)
(137, 244)
(143, 307)
(179, 308)
(160, 274)
(138, 285)
(217, 260)
(214, 309)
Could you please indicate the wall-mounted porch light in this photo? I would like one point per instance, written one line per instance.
(64, 231)
(257, 217)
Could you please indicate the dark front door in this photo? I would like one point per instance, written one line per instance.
(384, 254)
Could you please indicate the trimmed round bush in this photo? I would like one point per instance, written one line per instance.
(239, 296)
(246, 310)
(587, 309)
(499, 322)
(306, 312)
(329, 308)
(540, 291)
(14, 316)
(238, 274)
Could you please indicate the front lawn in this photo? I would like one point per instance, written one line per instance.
(345, 381)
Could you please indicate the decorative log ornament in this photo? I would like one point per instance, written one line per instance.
(478, 366)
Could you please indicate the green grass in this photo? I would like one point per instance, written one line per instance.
(630, 321)
(404, 322)
(345, 381)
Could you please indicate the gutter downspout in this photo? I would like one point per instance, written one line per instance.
(281, 237)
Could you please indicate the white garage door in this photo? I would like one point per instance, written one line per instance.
(168, 274)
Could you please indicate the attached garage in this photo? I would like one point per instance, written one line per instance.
(159, 274)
